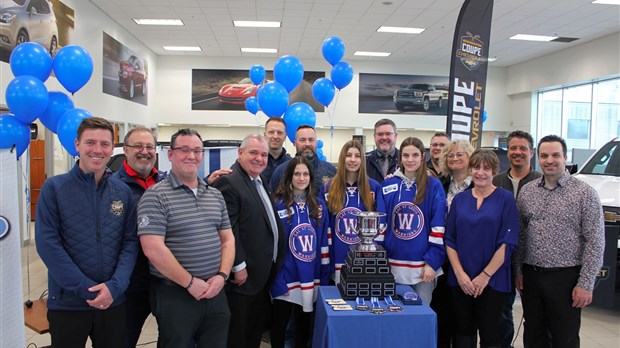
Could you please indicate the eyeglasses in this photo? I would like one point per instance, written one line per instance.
(457, 155)
(438, 145)
(384, 134)
(139, 147)
(186, 150)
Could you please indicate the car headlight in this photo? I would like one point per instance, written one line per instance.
(7, 17)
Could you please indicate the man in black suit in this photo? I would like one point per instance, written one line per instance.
(260, 242)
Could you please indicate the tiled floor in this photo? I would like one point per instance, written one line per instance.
(600, 327)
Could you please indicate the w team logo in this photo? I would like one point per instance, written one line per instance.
(407, 221)
(302, 242)
(346, 223)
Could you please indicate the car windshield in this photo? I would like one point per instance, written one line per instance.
(605, 161)
(246, 81)
(20, 2)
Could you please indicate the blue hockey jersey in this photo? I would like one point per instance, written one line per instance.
(306, 263)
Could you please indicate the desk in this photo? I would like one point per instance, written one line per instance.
(35, 317)
(415, 326)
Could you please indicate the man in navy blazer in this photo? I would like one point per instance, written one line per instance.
(259, 242)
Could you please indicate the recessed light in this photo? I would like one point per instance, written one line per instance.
(371, 54)
(183, 48)
(258, 50)
(607, 2)
(401, 30)
(526, 37)
(256, 24)
(146, 21)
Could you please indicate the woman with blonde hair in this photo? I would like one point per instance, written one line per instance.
(416, 206)
(454, 163)
(350, 191)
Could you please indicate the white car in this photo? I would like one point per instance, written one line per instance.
(28, 20)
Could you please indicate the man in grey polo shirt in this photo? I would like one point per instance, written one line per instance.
(186, 234)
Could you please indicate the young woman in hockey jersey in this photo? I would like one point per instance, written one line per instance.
(416, 207)
(306, 263)
(351, 191)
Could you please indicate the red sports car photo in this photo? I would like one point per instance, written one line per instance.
(132, 77)
(237, 93)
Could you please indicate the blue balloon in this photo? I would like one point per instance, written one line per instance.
(13, 133)
(30, 58)
(319, 144)
(484, 116)
(289, 72)
(323, 91)
(26, 97)
(73, 67)
(342, 74)
(333, 50)
(251, 104)
(272, 99)
(257, 74)
(296, 115)
(58, 104)
(68, 126)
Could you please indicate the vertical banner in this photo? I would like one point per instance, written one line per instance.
(12, 330)
(468, 71)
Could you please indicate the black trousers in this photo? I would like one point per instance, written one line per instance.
(182, 320)
(282, 311)
(551, 320)
(249, 318)
(479, 315)
(71, 329)
(137, 309)
(442, 305)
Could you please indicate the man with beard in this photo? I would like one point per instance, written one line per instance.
(139, 174)
(259, 246)
(520, 153)
(305, 144)
(438, 141)
(384, 159)
(275, 132)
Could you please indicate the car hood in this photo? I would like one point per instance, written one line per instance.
(607, 186)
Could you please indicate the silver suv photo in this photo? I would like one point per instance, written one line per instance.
(28, 20)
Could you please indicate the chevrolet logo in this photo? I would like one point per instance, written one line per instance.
(611, 216)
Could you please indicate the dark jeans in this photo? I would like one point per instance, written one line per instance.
(182, 320)
(551, 320)
(137, 309)
(508, 326)
(71, 329)
(481, 314)
(282, 311)
(248, 319)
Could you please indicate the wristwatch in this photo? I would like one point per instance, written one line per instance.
(223, 275)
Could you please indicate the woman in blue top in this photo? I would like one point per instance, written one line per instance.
(482, 231)
(351, 191)
(306, 263)
(416, 206)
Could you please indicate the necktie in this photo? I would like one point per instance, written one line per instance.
(272, 219)
(385, 166)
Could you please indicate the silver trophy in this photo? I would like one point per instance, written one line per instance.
(368, 228)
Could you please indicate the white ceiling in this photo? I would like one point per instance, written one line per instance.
(306, 23)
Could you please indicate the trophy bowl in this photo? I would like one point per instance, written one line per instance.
(368, 228)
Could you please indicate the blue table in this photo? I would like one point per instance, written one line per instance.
(415, 326)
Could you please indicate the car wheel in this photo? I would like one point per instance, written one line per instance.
(53, 46)
(144, 87)
(22, 37)
(132, 89)
(439, 103)
(426, 105)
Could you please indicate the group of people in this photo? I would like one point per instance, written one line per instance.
(221, 260)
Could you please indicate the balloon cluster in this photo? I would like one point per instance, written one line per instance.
(28, 98)
(273, 97)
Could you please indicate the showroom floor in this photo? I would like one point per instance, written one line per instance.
(600, 327)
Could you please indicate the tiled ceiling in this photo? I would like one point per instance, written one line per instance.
(306, 23)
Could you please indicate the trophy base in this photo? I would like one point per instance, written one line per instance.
(366, 273)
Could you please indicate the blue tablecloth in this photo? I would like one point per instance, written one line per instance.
(415, 326)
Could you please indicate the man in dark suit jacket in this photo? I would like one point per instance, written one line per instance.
(384, 159)
(260, 242)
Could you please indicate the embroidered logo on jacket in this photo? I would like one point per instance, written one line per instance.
(117, 208)
(407, 220)
(346, 224)
(390, 188)
(302, 243)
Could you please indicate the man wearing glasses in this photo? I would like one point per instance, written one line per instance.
(139, 173)
(186, 234)
(438, 141)
(384, 159)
